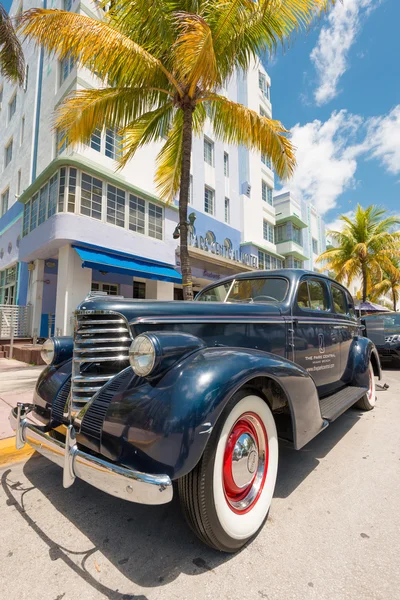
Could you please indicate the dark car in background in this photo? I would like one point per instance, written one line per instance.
(150, 393)
(384, 330)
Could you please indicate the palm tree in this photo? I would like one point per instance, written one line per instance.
(365, 247)
(12, 64)
(163, 63)
(389, 284)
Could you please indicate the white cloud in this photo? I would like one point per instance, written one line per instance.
(330, 55)
(337, 224)
(383, 139)
(325, 165)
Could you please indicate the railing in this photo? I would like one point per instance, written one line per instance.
(14, 321)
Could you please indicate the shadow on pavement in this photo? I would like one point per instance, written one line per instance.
(149, 545)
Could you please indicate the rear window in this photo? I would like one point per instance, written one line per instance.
(339, 300)
(271, 290)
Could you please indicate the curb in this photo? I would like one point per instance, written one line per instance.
(9, 453)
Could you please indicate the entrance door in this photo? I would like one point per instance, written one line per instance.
(316, 337)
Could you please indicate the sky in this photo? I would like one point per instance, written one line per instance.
(337, 89)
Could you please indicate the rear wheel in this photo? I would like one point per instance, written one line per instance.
(226, 498)
(367, 402)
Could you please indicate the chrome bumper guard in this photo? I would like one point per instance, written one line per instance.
(110, 478)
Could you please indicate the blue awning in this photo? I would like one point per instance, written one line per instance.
(127, 265)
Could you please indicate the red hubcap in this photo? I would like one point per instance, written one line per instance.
(245, 463)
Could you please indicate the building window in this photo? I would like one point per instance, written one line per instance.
(61, 141)
(155, 221)
(113, 144)
(209, 200)
(208, 151)
(297, 264)
(268, 262)
(19, 182)
(191, 190)
(66, 66)
(91, 196)
(266, 193)
(4, 201)
(280, 233)
(53, 193)
(266, 160)
(61, 189)
(68, 4)
(8, 153)
(12, 107)
(296, 235)
(111, 289)
(115, 206)
(22, 131)
(95, 140)
(264, 85)
(268, 231)
(178, 294)
(260, 259)
(226, 164)
(227, 211)
(26, 78)
(139, 290)
(34, 212)
(315, 246)
(27, 218)
(43, 199)
(137, 214)
(8, 285)
(72, 190)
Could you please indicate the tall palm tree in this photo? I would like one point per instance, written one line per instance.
(365, 247)
(163, 64)
(12, 64)
(390, 283)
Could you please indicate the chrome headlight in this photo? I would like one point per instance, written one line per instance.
(142, 355)
(47, 352)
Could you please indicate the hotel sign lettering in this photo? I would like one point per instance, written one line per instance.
(225, 250)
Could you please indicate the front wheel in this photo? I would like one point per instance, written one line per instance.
(367, 402)
(226, 498)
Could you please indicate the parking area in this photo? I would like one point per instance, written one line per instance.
(333, 531)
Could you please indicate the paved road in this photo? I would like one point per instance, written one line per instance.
(334, 530)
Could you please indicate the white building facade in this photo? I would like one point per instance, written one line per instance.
(69, 223)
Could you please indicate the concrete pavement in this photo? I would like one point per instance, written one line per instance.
(333, 531)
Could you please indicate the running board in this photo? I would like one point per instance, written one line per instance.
(334, 406)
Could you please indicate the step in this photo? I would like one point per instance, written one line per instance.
(334, 406)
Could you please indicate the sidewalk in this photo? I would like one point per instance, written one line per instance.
(17, 382)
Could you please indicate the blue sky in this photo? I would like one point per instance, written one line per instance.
(338, 89)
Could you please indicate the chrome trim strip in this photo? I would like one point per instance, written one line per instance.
(106, 349)
(102, 330)
(82, 378)
(97, 359)
(111, 478)
(199, 319)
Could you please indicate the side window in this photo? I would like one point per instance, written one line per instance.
(350, 305)
(339, 300)
(318, 295)
(303, 299)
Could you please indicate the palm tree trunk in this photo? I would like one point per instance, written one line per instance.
(364, 281)
(394, 300)
(183, 202)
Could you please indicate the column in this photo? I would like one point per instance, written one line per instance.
(73, 285)
(159, 290)
(35, 294)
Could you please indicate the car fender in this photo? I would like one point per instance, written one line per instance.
(362, 351)
(166, 424)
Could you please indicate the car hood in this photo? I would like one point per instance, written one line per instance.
(153, 310)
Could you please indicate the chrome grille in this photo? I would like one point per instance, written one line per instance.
(101, 347)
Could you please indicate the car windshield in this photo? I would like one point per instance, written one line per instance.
(269, 290)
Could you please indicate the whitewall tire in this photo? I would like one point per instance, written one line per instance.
(226, 498)
(368, 401)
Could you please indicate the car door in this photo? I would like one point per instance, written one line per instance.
(316, 337)
(345, 322)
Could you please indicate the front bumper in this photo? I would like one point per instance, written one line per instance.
(110, 478)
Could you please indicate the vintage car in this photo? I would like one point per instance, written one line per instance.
(193, 396)
(384, 330)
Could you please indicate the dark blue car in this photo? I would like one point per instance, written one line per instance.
(151, 393)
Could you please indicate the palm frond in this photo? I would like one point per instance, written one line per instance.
(237, 124)
(12, 62)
